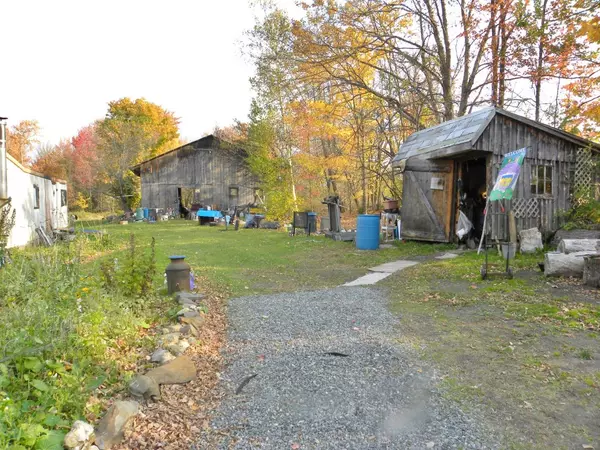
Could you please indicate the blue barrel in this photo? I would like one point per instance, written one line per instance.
(367, 232)
(146, 213)
(139, 214)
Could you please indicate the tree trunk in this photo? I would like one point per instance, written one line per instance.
(579, 245)
(561, 265)
(591, 271)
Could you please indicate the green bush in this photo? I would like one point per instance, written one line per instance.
(66, 337)
(584, 215)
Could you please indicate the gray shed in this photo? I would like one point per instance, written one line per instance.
(208, 172)
(452, 166)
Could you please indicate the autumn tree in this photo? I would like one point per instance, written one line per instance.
(270, 47)
(22, 139)
(54, 160)
(131, 132)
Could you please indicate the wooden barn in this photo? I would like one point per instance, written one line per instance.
(206, 172)
(452, 167)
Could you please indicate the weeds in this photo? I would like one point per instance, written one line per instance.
(68, 338)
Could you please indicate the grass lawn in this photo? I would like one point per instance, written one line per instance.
(250, 261)
(527, 348)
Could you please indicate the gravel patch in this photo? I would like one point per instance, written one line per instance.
(296, 389)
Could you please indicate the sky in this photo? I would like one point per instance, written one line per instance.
(63, 61)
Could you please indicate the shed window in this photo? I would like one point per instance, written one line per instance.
(63, 197)
(541, 180)
(36, 196)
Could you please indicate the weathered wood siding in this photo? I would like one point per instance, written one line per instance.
(210, 171)
(504, 135)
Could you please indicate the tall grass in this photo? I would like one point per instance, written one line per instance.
(67, 338)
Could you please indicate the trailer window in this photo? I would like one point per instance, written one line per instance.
(63, 197)
(541, 180)
(36, 196)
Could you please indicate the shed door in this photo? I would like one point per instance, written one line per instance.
(428, 187)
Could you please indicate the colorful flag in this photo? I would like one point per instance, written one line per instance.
(508, 175)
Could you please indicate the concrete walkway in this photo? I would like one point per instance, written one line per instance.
(380, 272)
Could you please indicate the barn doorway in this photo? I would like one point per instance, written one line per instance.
(472, 191)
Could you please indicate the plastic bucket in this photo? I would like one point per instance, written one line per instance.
(367, 232)
(146, 213)
(509, 249)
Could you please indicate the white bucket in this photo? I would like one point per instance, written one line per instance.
(509, 250)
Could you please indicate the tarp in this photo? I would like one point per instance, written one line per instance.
(508, 175)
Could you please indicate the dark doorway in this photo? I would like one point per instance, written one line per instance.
(472, 191)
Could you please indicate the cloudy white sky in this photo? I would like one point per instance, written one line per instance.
(63, 60)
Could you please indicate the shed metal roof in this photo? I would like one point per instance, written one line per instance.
(463, 132)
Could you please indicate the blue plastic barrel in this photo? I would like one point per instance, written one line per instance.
(146, 213)
(367, 232)
(139, 214)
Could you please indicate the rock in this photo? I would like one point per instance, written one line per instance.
(111, 427)
(188, 312)
(169, 339)
(161, 356)
(531, 240)
(81, 432)
(144, 386)
(187, 330)
(430, 444)
(180, 370)
(175, 328)
(179, 348)
(192, 340)
(190, 297)
(94, 447)
(195, 322)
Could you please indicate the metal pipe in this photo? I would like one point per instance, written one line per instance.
(3, 163)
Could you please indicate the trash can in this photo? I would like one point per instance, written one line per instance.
(312, 222)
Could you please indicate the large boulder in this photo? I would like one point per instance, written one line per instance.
(530, 240)
(111, 427)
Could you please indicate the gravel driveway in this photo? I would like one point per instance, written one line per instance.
(307, 394)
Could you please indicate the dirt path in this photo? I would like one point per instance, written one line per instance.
(321, 370)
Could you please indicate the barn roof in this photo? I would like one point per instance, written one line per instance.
(459, 135)
(209, 141)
